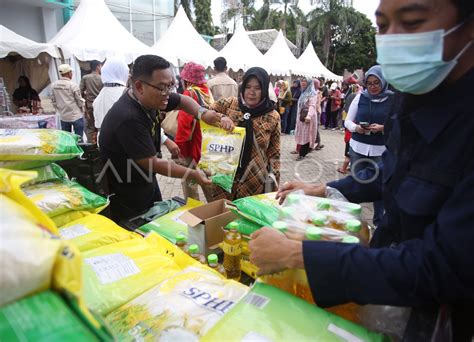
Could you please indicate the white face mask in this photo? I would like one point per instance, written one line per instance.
(413, 62)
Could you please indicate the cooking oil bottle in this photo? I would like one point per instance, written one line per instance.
(194, 253)
(232, 248)
(182, 242)
(213, 262)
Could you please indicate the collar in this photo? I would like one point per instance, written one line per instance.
(434, 111)
(64, 78)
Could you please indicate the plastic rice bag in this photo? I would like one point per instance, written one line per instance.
(93, 231)
(38, 144)
(183, 307)
(55, 198)
(47, 173)
(220, 153)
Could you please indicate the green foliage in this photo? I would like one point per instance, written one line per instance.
(204, 23)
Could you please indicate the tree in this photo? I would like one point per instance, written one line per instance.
(324, 21)
(187, 6)
(244, 9)
(204, 17)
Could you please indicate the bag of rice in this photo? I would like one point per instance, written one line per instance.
(38, 144)
(69, 216)
(117, 273)
(220, 153)
(269, 314)
(55, 198)
(183, 307)
(47, 173)
(93, 231)
(22, 164)
(262, 209)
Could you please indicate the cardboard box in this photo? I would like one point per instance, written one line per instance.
(205, 224)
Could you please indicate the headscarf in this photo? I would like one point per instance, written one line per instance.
(115, 70)
(306, 94)
(296, 91)
(265, 106)
(283, 93)
(26, 92)
(317, 84)
(376, 71)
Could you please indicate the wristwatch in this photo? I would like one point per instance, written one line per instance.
(201, 111)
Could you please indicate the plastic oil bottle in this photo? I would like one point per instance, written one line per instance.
(182, 242)
(194, 253)
(213, 262)
(232, 248)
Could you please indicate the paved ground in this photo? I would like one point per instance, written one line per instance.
(318, 166)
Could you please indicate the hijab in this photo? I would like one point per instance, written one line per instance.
(26, 92)
(306, 94)
(115, 70)
(376, 71)
(265, 106)
(283, 93)
(296, 91)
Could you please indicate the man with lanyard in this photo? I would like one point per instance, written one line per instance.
(130, 138)
(421, 254)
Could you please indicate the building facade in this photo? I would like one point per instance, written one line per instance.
(40, 20)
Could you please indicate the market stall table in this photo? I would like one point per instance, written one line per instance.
(29, 121)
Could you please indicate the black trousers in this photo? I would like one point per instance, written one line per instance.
(304, 150)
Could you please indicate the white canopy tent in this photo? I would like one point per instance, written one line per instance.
(182, 42)
(279, 60)
(310, 65)
(241, 53)
(93, 33)
(11, 42)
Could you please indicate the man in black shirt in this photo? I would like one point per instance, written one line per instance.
(130, 136)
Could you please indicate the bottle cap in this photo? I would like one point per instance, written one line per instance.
(212, 258)
(280, 225)
(353, 226)
(350, 239)
(292, 198)
(324, 205)
(287, 211)
(319, 219)
(233, 225)
(180, 237)
(314, 233)
(354, 208)
(194, 249)
(145, 229)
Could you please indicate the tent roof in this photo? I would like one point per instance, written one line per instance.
(182, 41)
(279, 60)
(310, 64)
(93, 32)
(13, 42)
(240, 52)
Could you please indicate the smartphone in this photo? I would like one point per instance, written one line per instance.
(364, 124)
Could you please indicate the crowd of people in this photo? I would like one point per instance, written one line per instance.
(406, 129)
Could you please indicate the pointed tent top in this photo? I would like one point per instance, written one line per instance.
(182, 41)
(311, 64)
(27, 48)
(279, 60)
(240, 52)
(93, 32)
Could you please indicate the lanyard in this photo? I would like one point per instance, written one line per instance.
(154, 119)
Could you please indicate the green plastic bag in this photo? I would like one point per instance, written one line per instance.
(269, 314)
(38, 144)
(46, 317)
(262, 209)
(56, 198)
(47, 173)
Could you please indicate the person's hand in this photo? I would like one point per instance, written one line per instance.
(307, 119)
(227, 124)
(211, 117)
(271, 251)
(309, 189)
(200, 177)
(359, 129)
(376, 128)
(173, 148)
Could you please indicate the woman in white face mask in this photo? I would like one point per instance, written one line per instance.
(421, 254)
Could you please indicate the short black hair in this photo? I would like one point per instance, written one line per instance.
(94, 64)
(144, 66)
(220, 64)
(465, 8)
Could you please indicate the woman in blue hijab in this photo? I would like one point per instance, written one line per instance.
(365, 119)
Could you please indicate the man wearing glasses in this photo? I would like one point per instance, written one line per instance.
(130, 136)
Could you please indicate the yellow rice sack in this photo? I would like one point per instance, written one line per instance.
(68, 217)
(117, 273)
(93, 231)
(181, 308)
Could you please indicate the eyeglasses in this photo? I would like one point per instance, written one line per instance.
(375, 84)
(164, 90)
